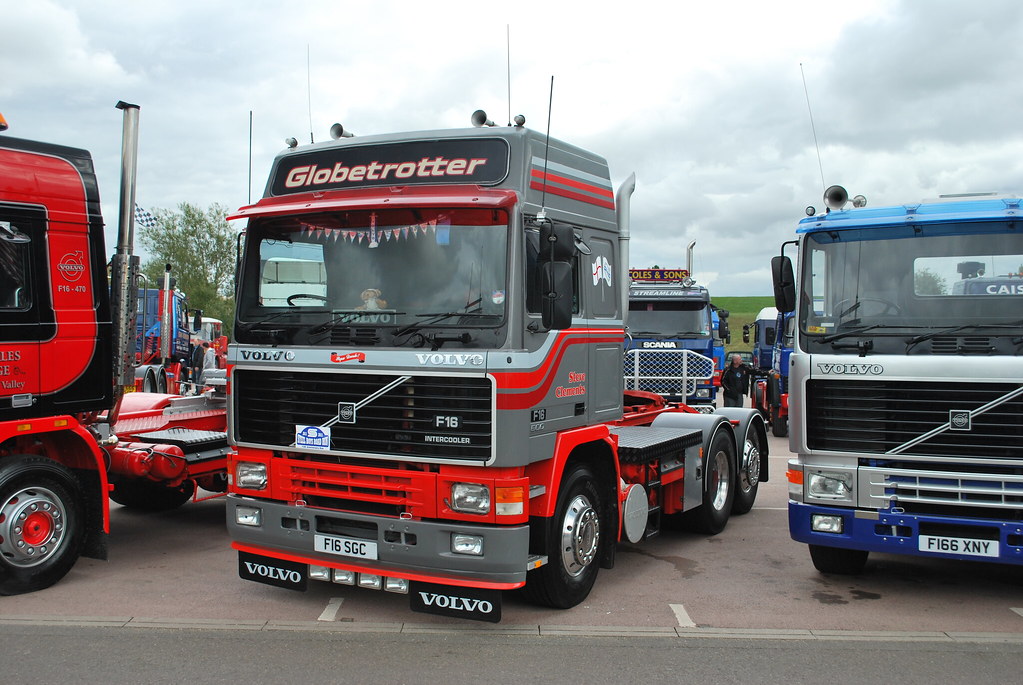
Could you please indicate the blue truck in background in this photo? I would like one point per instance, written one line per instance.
(772, 334)
(676, 337)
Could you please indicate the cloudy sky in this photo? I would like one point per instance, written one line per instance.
(703, 101)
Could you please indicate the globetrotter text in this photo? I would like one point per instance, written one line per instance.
(311, 175)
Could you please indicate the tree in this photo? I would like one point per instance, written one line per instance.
(926, 282)
(200, 247)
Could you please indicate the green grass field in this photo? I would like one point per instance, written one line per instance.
(741, 310)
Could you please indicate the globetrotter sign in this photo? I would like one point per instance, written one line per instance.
(474, 161)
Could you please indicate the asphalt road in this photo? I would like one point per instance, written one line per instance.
(112, 656)
(750, 582)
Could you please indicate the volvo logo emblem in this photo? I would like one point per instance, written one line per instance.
(960, 419)
(346, 412)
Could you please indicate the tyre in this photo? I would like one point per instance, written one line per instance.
(747, 477)
(779, 423)
(146, 495)
(41, 523)
(149, 381)
(161, 382)
(718, 487)
(846, 562)
(573, 541)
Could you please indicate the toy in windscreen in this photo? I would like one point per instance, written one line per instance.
(372, 300)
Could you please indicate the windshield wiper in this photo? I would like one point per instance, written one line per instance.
(275, 334)
(955, 329)
(854, 331)
(432, 318)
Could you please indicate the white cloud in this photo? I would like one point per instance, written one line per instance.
(703, 101)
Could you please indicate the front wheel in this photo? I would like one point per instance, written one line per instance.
(41, 523)
(712, 515)
(846, 562)
(573, 542)
(747, 477)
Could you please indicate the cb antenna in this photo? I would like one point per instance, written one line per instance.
(508, 46)
(812, 128)
(546, 153)
(309, 90)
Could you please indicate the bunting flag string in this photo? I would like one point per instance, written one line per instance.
(371, 235)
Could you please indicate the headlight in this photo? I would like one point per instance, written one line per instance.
(703, 393)
(250, 475)
(248, 516)
(830, 485)
(467, 544)
(470, 498)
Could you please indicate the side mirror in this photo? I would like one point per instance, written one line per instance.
(557, 242)
(556, 291)
(724, 332)
(784, 284)
(197, 321)
(745, 332)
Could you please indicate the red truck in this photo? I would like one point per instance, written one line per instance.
(439, 411)
(71, 438)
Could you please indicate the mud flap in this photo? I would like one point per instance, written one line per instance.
(477, 604)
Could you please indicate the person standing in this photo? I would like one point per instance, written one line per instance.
(735, 381)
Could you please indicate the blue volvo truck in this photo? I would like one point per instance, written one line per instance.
(906, 404)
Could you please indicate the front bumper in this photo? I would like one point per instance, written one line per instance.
(411, 549)
(879, 531)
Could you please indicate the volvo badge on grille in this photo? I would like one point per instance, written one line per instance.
(959, 420)
(346, 412)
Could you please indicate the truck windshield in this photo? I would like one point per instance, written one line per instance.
(667, 319)
(901, 281)
(391, 267)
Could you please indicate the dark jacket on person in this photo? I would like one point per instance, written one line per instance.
(735, 379)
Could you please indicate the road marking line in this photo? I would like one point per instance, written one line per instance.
(1018, 611)
(330, 613)
(682, 616)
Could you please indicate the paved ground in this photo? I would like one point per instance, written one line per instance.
(751, 580)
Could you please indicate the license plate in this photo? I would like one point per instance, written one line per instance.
(967, 546)
(345, 547)
(478, 604)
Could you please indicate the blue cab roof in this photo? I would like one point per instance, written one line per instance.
(930, 212)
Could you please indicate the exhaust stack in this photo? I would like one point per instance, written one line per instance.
(124, 266)
(623, 203)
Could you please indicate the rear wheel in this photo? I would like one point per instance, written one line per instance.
(149, 383)
(747, 478)
(779, 423)
(573, 543)
(718, 487)
(41, 523)
(846, 562)
(161, 382)
(146, 495)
